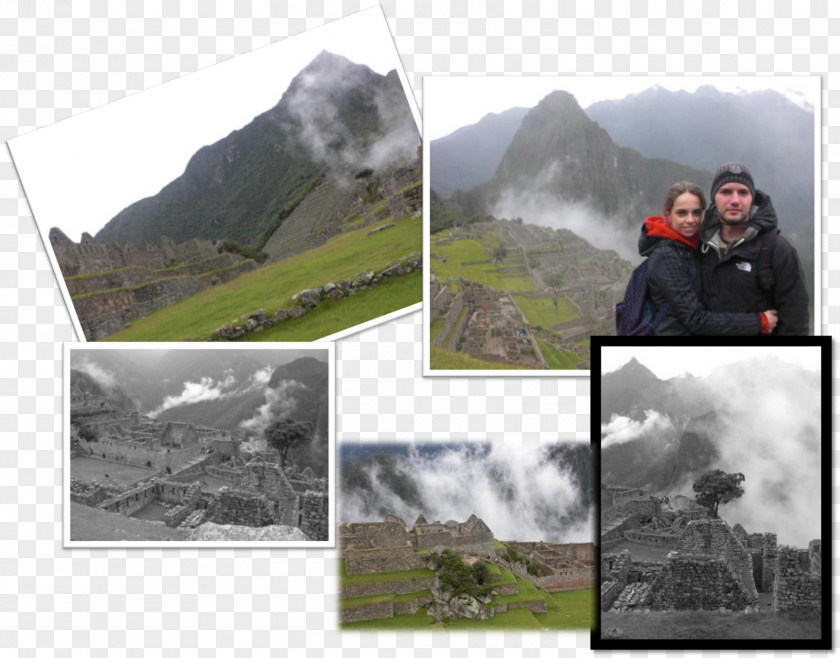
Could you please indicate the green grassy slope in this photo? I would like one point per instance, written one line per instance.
(269, 288)
(565, 610)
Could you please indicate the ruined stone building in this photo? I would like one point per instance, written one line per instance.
(110, 285)
(180, 457)
(389, 547)
(568, 566)
(710, 566)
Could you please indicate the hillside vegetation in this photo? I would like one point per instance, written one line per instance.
(271, 286)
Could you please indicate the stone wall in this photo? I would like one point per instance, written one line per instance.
(477, 545)
(431, 539)
(567, 579)
(412, 606)
(301, 303)
(616, 566)
(642, 507)
(714, 537)
(379, 610)
(689, 582)
(238, 507)
(109, 310)
(381, 560)
(650, 538)
(129, 502)
(387, 587)
(610, 590)
(146, 455)
(796, 587)
(815, 554)
(314, 515)
(372, 535)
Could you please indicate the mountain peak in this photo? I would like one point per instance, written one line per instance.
(633, 371)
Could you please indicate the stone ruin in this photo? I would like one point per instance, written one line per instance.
(711, 566)
(111, 285)
(568, 566)
(392, 546)
(483, 324)
(382, 547)
(178, 457)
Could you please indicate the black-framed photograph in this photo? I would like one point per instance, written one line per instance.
(714, 461)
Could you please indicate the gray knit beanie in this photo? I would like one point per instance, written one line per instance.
(732, 172)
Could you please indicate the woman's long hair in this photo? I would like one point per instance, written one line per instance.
(681, 188)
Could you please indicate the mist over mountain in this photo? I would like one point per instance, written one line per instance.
(562, 170)
(470, 155)
(759, 417)
(242, 391)
(544, 493)
(335, 119)
(773, 136)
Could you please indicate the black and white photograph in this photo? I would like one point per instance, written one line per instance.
(714, 466)
(546, 194)
(173, 445)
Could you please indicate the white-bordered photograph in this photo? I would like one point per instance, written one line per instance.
(275, 196)
(170, 444)
(715, 514)
(691, 203)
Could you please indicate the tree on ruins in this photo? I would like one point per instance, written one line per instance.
(715, 488)
(285, 434)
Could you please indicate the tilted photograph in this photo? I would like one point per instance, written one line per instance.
(715, 518)
(691, 203)
(180, 445)
(276, 196)
(476, 536)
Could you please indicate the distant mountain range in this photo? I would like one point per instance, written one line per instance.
(469, 156)
(620, 156)
(659, 433)
(336, 120)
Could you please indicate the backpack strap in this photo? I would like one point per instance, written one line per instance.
(766, 278)
(660, 313)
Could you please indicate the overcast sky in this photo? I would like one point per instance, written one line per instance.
(451, 102)
(81, 172)
(666, 362)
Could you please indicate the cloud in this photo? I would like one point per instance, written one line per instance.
(541, 208)
(325, 131)
(770, 413)
(203, 390)
(621, 429)
(105, 378)
(279, 402)
(521, 494)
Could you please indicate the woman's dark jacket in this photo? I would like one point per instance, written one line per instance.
(674, 279)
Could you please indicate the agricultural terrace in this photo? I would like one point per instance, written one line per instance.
(270, 288)
(472, 260)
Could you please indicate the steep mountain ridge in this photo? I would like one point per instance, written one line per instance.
(334, 116)
(469, 156)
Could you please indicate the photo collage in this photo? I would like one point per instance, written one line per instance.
(220, 241)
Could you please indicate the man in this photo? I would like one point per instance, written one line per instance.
(747, 266)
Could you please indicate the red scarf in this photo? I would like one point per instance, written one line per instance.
(658, 228)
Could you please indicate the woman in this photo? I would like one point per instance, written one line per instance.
(673, 275)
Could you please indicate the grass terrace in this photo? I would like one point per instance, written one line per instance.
(271, 286)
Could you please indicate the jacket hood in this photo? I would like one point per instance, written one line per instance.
(655, 230)
(762, 218)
